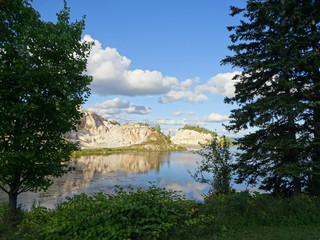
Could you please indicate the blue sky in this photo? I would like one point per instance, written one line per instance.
(157, 62)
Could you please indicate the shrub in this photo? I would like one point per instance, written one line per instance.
(128, 214)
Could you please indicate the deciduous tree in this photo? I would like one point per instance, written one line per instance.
(42, 81)
(217, 163)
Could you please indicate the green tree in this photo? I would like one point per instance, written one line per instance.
(277, 46)
(158, 128)
(216, 161)
(42, 82)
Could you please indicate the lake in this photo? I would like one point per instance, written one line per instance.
(101, 173)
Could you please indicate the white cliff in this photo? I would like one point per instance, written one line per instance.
(96, 132)
(190, 138)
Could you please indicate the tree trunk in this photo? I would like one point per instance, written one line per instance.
(314, 185)
(315, 180)
(13, 197)
(293, 155)
(13, 194)
(296, 186)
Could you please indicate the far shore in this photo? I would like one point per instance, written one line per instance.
(105, 151)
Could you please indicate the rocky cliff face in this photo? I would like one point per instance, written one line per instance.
(190, 138)
(97, 132)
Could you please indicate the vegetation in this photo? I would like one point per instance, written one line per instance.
(103, 151)
(149, 214)
(198, 129)
(277, 47)
(216, 161)
(135, 148)
(157, 128)
(42, 83)
(278, 93)
(156, 213)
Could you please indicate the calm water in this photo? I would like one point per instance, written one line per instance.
(100, 173)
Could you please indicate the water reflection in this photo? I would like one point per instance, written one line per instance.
(100, 173)
(89, 169)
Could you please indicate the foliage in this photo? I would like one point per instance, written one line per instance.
(216, 161)
(149, 214)
(42, 83)
(159, 214)
(277, 46)
(9, 223)
(198, 129)
(103, 151)
(157, 128)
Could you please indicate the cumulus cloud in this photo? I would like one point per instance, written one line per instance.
(215, 117)
(112, 103)
(117, 106)
(219, 84)
(184, 91)
(178, 95)
(133, 109)
(112, 74)
(166, 121)
(176, 114)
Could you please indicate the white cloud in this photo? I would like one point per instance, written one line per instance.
(117, 106)
(184, 91)
(133, 109)
(178, 95)
(219, 84)
(176, 114)
(112, 74)
(187, 84)
(166, 121)
(113, 103)
(215, 117)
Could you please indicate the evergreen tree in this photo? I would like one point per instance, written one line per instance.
(277, 46)
(42, 82)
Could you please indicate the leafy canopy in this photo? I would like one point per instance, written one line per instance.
(42, 82)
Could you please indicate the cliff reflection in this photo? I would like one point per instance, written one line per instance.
(91, 168)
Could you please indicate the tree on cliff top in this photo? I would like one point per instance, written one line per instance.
(42, 82)
(278, 93)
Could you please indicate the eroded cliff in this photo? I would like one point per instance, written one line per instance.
(95, 131)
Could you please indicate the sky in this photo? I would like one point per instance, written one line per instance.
(157, 61)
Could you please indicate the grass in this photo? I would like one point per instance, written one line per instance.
(104, 151)
(311, 232)
(107, 151)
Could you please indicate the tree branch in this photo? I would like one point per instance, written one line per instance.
(4, 189)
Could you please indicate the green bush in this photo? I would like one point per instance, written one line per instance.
(128, 214)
